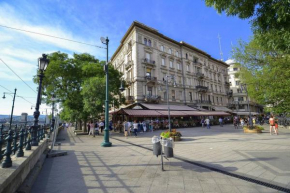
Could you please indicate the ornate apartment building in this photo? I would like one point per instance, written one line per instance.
(147, 58)
(238, 102)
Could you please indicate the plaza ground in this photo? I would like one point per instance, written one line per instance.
(124, 167)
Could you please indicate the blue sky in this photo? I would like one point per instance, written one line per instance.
(88, 20)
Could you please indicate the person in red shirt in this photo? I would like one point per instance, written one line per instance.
(272, 124)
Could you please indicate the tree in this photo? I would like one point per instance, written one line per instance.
(267, 74)
(74, 81)
(270, 19)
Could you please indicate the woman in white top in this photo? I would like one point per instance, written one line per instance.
(135, 127)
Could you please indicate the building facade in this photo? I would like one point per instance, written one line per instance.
(147, 58)
(238, 102)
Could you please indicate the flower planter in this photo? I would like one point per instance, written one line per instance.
(247, 130)
(177, 138)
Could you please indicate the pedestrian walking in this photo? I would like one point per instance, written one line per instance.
(140, 127)
(242, 122)
(129, 127)
(101, 125)
(92, 125)
(221, 122)
(236, 123)
(151, 125)
(97, 128)
(126, 129)
(135, 127)
(272, 124)
(88, 127)
(144, 126)
(276, 126)
(207, 122)
(202, 122)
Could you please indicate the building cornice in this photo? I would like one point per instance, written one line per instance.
(154, 31)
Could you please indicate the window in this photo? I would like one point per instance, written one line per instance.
(148, 72)
(208, 98)
(129, 92)
(217, 99)
(162, 48)
(235, 69)
(186, 56)
(187, 67)
(221, 100)
(211, 87)
(239, 90)
(240, 98)
(145, 41)
(169, 51)
(165, 96)
(178, 66)
(149, 90)
(170, 64)
(173, 94)
(162, 61)
(213, 99)
(176, 54)
(149, 43)
(190, 96)
(180, 95)
(195, 60)
(179, 79)
(148, 56)
(237, 83)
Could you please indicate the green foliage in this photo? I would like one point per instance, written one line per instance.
(270, 19)
(79, 84)
(266, 73)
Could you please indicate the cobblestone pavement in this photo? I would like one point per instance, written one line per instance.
(88, 167)
(263, 156)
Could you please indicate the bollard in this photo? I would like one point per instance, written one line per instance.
(28, 145)
(20, 152)
(7, 162)
(15, 137)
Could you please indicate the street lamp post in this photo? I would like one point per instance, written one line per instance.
(167, 93)
(106, 142)
(11, 117)
(42, 65)
(244, 87)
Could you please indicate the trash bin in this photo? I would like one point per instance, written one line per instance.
(168, 147)
(156, 146)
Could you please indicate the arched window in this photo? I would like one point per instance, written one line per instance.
(145, 41)
(186, 56)
(162, 48)
(149, 43)
(170, 51)
(176, 54)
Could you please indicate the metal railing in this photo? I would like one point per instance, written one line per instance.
(202, 102)
(148, 61)
(14, 141)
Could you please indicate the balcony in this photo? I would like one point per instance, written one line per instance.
(202, 102)
(199, 75)
(128, 65)
(151, 79)
(129, 99)
(148, 61)
(152, 98)
(201, 88)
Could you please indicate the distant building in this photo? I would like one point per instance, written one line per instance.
(146, 56)
(238, 102)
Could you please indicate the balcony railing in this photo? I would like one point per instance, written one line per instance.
(201, 88)
(148, 61)
(129, 99)
(202, 102)
(152, 98)
(151, 78)
(199, 75)
(128, 65)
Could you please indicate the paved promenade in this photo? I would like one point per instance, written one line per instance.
(88, 167)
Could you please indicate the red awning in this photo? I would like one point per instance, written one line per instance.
(194, 113)
(141, 113)
(173, 113)
(216, 113)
